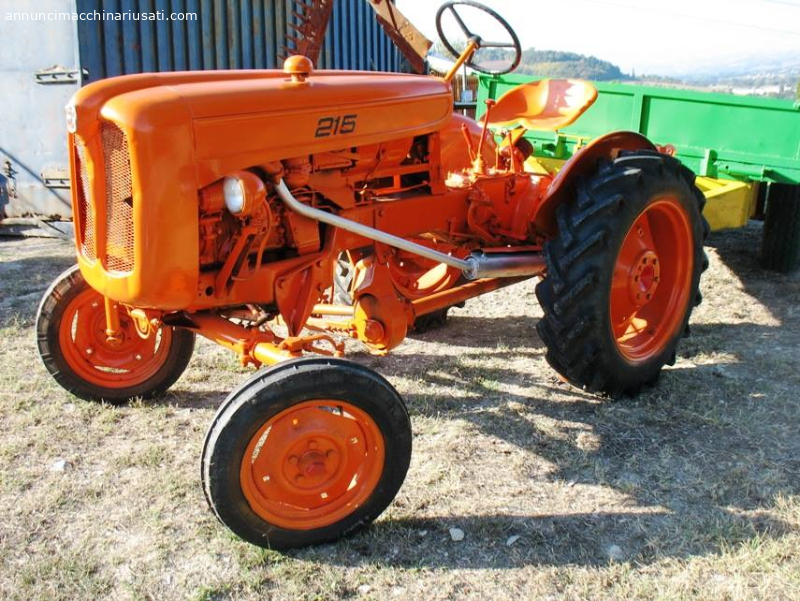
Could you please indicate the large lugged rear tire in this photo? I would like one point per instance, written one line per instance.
(623, 273)
(70, 333)
(306, 452)
(780, 246)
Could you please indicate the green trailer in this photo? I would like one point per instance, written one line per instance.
(737, 145)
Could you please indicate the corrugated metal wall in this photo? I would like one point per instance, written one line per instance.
(238, 34)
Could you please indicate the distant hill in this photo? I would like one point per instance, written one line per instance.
(548, 63)
(553, 63)
(779, 77)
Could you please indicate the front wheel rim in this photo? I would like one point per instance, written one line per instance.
(312, 465)
(128, 362)
(651, 281)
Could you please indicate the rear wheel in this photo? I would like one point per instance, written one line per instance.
(623, 273)
(306, 452)
(70, 333)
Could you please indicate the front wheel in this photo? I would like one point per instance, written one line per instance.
(623, 273)
(306, 452)
(70, 333)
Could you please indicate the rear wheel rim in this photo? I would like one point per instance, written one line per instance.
(652, 280)
(312, 465)
(87, 351)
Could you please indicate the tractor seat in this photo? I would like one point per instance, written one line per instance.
(545, 105)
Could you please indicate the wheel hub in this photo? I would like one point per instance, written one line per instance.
(644, 277)
(312, 462)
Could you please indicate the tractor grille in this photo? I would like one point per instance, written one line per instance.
(85, 210)
(119, 198)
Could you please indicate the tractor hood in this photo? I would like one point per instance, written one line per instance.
(143, 145)
(237, 119)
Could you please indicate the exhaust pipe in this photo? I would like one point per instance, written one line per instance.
(503, 265)
(477, 266)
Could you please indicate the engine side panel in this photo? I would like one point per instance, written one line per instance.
(329, 113)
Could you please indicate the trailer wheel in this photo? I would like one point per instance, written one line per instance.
(70, 334)
(305, 452)
(780, 245)
(623, 273)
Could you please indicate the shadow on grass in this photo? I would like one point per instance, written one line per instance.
(187, 398)
(708, 442)
(740, 251)
(550, 540)
(691, 454)
(23, 280)
(482, 332)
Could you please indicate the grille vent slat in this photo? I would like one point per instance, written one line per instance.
(86, 211)
(119, 199)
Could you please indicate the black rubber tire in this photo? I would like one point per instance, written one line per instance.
(574, 295)
(273, 390)
(48, 320)
(780, 245)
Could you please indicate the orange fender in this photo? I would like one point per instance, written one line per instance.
(582, 164)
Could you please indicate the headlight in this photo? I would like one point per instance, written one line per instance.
(233, 190)
(243, 192)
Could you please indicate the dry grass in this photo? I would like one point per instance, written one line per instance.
(689, 491)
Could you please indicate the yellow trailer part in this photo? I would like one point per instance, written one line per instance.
(730, 204)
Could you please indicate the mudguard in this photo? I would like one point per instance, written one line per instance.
(582, 164)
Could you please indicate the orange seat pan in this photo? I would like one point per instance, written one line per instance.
(547, 105)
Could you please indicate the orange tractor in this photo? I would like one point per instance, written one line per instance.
(279, 213)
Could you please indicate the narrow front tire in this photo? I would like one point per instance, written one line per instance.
(70, 335)
(306, 452)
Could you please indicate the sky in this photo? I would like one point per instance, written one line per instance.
(674, 37)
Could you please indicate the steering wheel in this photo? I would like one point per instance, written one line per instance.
(451, 7)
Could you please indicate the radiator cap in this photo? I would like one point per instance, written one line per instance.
(298, 67)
